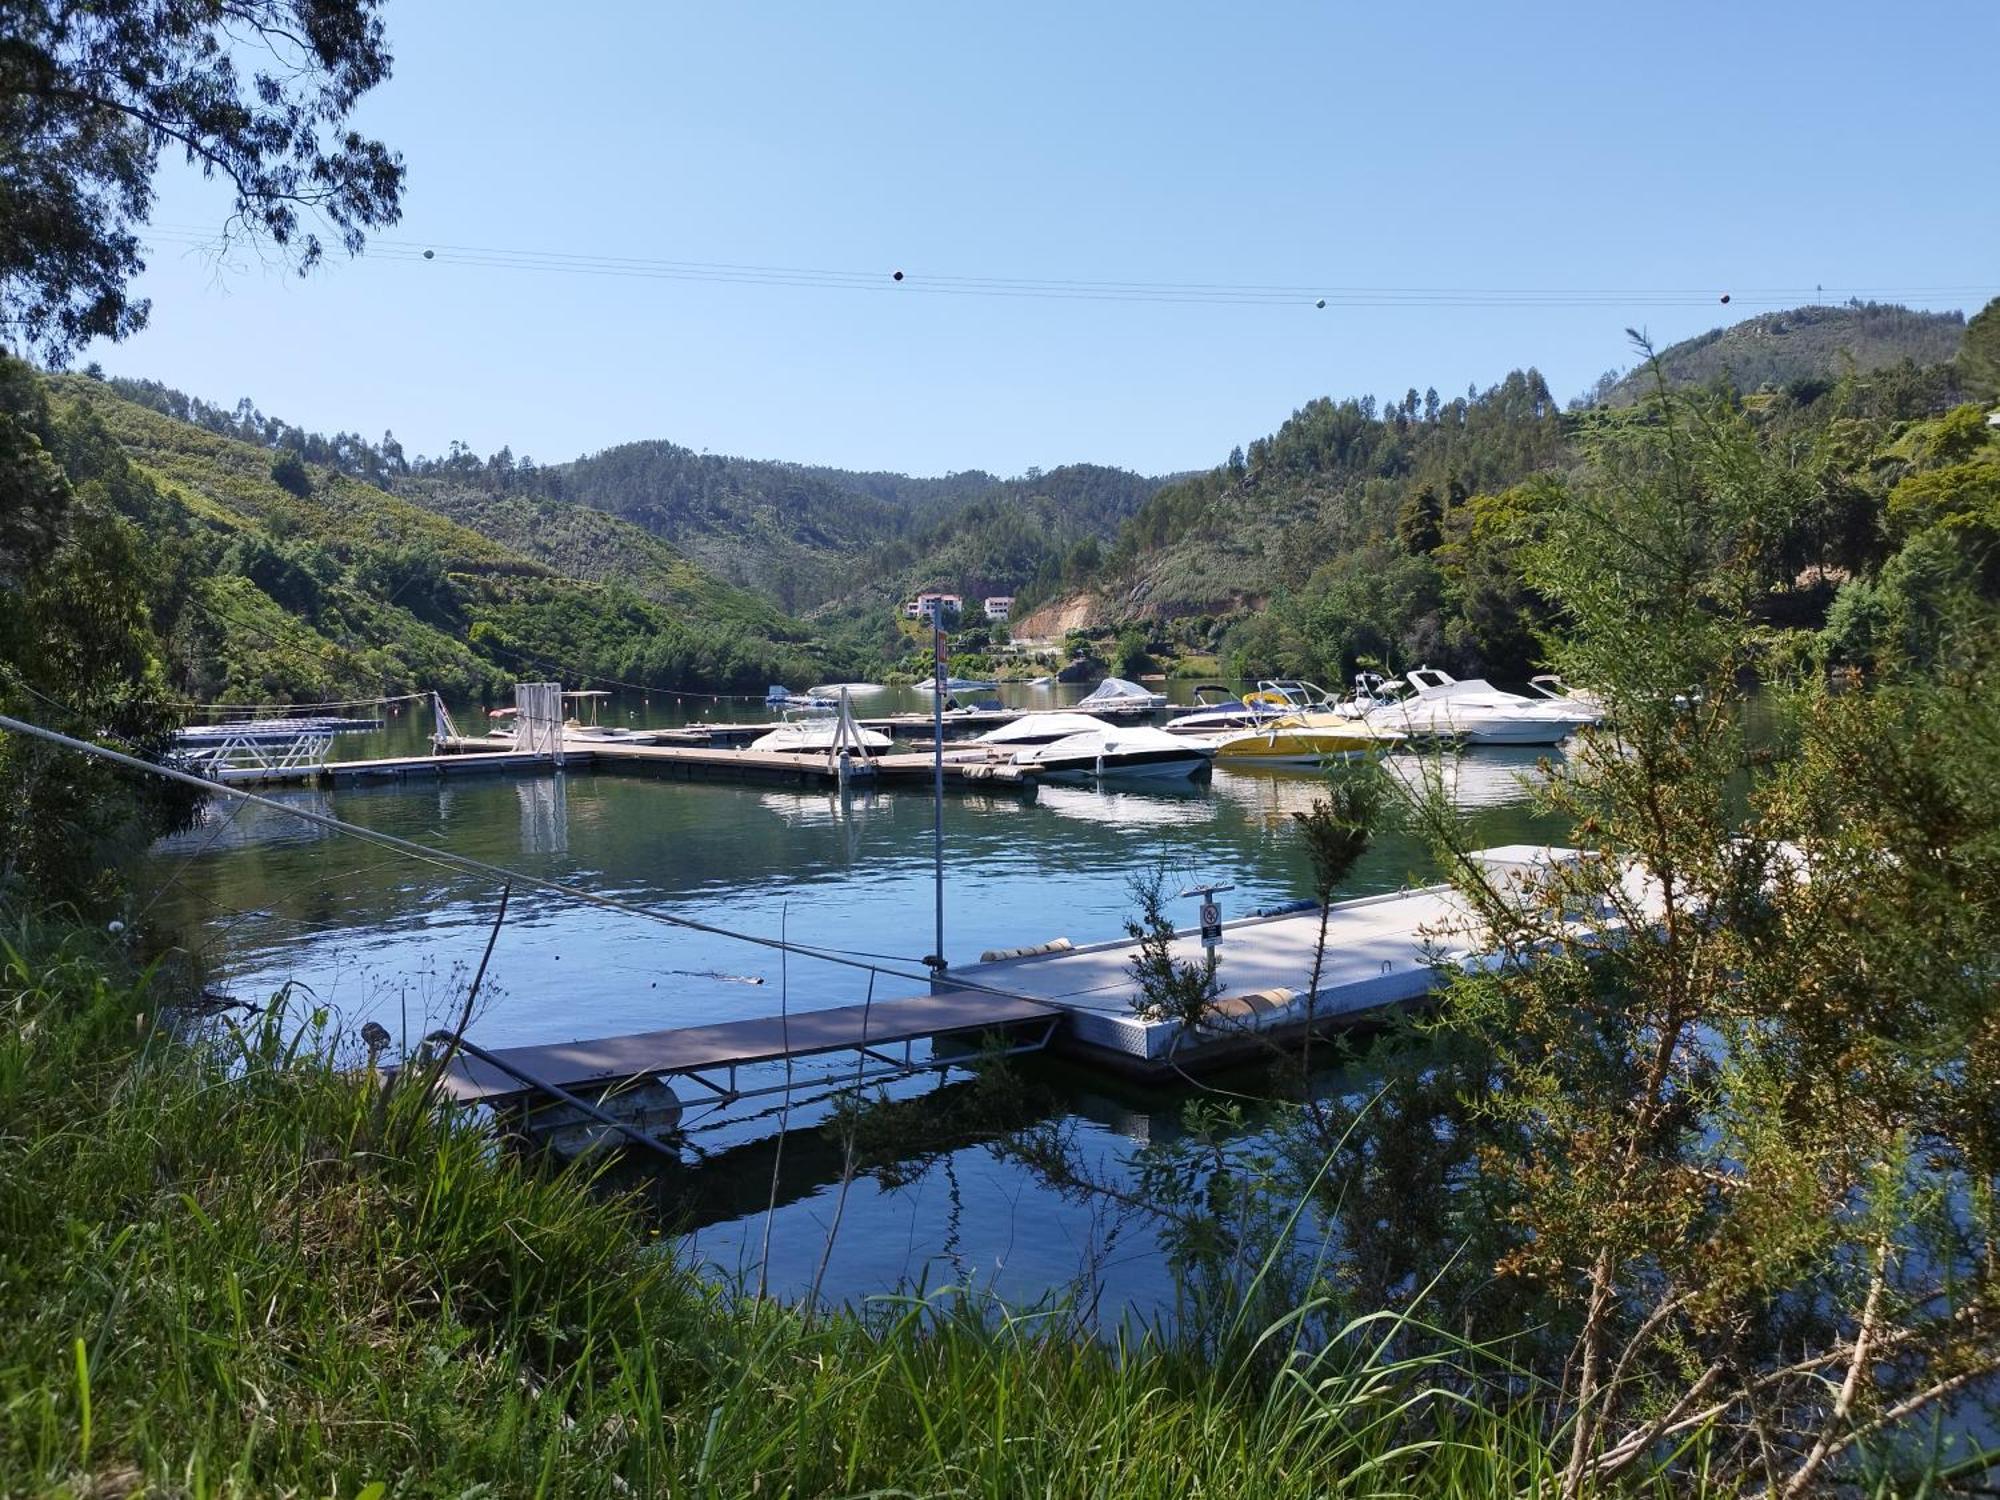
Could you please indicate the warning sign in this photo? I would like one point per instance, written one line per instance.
(1211, 922)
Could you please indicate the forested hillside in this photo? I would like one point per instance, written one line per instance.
(767, 526)
(1391, 533)
(1806, 343)
(798, 534)
(279, 579)
(1362, 529)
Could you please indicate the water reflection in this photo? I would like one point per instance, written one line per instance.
(383, 936)
(544, 814)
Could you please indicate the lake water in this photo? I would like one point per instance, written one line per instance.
(371, 934)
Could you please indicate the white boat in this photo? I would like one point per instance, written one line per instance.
(1040, 729)
(1041, 682)
(822, 735)
(783, 700)
(1431, 704)
(1217, 711)
(831, 691)
(1115, 695)
(575, 731)
(955, 685)
(1549, 685)
(1137, 753)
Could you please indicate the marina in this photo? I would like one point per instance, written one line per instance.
(842, 872)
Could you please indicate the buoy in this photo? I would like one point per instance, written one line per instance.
(1320, 303)
(1725, 299)
(899, 276)
(430, 255)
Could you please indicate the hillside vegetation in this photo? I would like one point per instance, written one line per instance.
(1804, 344)
(286, 580)
(1365, 533)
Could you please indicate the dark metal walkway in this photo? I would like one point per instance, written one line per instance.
(590, 1067)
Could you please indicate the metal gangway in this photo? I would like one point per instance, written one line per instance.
(256, 750)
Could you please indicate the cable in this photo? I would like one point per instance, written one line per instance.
(289, 707)
(1082, 289)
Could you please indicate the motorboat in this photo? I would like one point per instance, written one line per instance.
(591, 734)
(1297, 740)
(955, 685)
(1119, 753)
(574, 730)
(1428, 703)
(1290, 695)
(1116, 695)
(782, 699)
(831, 691)
(822, 736)
(1218, 711)
(1041, 682)
(1549, 685)
(1040, 729)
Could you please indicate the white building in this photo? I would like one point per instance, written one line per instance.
(924, 606)
(999, 606)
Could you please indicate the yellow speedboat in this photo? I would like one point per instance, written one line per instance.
(1304, 740)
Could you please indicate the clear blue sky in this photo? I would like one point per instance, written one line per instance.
(1724, 147)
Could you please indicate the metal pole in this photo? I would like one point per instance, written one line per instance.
(937, 775)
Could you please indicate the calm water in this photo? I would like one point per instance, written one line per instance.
(374, 935)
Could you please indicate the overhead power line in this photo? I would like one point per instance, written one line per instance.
(900, 280)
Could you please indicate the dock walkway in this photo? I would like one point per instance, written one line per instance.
(1380, 951)
(592, 1066)
(467, 757)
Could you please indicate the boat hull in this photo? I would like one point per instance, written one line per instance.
(1471, 728)
(1145, 765)
(1297, 746)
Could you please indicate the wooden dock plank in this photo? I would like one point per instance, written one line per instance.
(586, 1065)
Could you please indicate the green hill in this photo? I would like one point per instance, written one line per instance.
(304, 582)
(781, 530)
(1330, 482)
(1807, 343)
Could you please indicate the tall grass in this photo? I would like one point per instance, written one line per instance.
(228, 1268)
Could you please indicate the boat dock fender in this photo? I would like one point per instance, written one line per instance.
(1053, 945)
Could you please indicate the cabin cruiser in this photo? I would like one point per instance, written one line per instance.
(1549, 685)
(1428, 703)
(1040, 729)
(1216, 710)
(1116, 695)
(1304, 740)
(822, 736)
(1137, 753)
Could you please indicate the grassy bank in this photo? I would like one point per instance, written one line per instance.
(226, 1268)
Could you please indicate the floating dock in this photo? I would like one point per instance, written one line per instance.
(1379, 952)
(472, 757)
(695, 1052)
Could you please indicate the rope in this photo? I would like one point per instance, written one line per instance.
(217, 708)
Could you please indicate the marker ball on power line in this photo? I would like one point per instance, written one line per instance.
(1320, 303)
(1725, 299)
(899, 276)
(430, 255)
